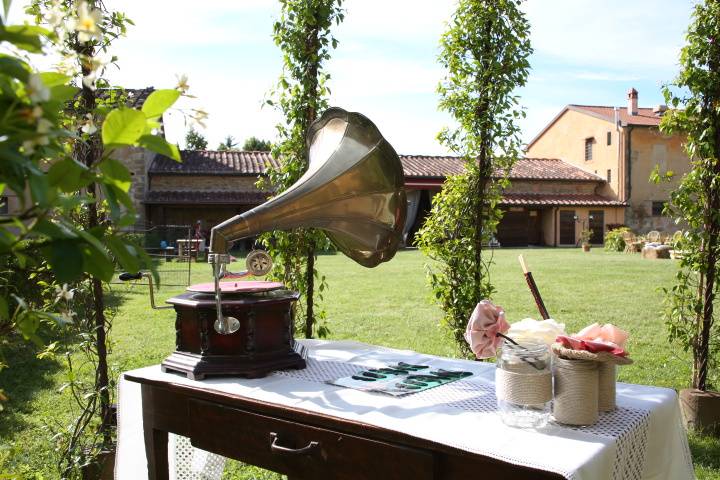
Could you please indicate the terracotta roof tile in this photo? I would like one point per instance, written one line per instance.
(549, 169)
(558, 200)
(155, 197)
(645, 116)
(430, 166)
(205, 162)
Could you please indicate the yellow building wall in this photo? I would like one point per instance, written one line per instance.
(650, 148)
(565, 139)
(551, 220)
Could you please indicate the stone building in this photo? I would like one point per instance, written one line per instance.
(210, 186)
(623, 145)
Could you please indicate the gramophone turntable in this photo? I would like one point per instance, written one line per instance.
(353, 190)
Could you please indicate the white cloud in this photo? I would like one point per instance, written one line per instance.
(637, 35)
(386, 63)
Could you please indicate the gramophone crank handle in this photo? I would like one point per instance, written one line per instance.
(223, 325)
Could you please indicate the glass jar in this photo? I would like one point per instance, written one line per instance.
(523, 384)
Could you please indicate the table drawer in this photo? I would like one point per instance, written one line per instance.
(300, 450)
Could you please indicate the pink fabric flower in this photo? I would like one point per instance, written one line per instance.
(596, 338)
(482, 329)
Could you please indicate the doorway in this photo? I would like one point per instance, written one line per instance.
(567, 227)
(597, 225)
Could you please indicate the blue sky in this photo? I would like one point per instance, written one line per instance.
(586, 52)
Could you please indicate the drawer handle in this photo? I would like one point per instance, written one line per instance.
(306, 450)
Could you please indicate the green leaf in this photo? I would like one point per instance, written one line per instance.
(115, 173)
(160, 145)
(97, 263)
(63, 93)
(123, 127)
(39, 189)
(66, 260)
(13, 67)
(125, 253)
(53, 230)
(27, 324)
(26, 37)
(159, 101)
(53, 79)
(69, 175)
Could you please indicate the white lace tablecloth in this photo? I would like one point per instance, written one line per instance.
(642, 439)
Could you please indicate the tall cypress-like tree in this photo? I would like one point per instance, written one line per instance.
(303, 33)
(696, 202)
(485, 53)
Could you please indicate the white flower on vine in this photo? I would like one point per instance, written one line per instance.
(89, 80)
(36, 89)
(63, 293)
(43, 126)
(86, 23)
(67, 317)
(55, 16)
(68, 65)
(89, 126)
(199, 117)
(182, 84)
(28, 147)
(36, 112)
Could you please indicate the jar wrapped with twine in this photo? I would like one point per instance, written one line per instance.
(607, 372)
(523, 384)
(576, 391)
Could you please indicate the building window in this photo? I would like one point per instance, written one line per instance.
(4, 210)
(609, 138)
(657, 209)
(588, 148)
(609, 175)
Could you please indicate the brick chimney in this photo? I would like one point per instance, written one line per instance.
(632, 105)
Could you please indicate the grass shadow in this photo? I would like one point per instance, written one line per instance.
(22, 380)
(705, 450)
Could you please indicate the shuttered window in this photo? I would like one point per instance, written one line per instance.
(589, 148)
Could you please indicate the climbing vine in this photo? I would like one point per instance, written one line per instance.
(303, 33)
(485, 53)
(695, 97)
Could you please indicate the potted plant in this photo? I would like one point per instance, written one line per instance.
(585, 237)
(691, 304)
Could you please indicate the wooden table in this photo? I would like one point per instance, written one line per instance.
(300, 443)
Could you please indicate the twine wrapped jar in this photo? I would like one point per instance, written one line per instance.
(607, 372)
(523, 382)
(607, 375)
(576, 391)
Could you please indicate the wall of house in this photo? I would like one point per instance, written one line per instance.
(553, 187)
(214, 183)
(13, 202)
(612, 215)
(565, 139)
(650, 148)
(138, 161)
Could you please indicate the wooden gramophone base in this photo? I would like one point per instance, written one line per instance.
(263, 343)
(196, 366)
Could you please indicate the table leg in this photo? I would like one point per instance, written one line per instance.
(156, 450)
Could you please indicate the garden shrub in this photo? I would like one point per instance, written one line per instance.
(614, 241)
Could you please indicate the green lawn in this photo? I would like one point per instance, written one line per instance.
(389, 305)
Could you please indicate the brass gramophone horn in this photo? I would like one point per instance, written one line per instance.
(353, 190)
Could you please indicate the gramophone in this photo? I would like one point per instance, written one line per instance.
(353, 190)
